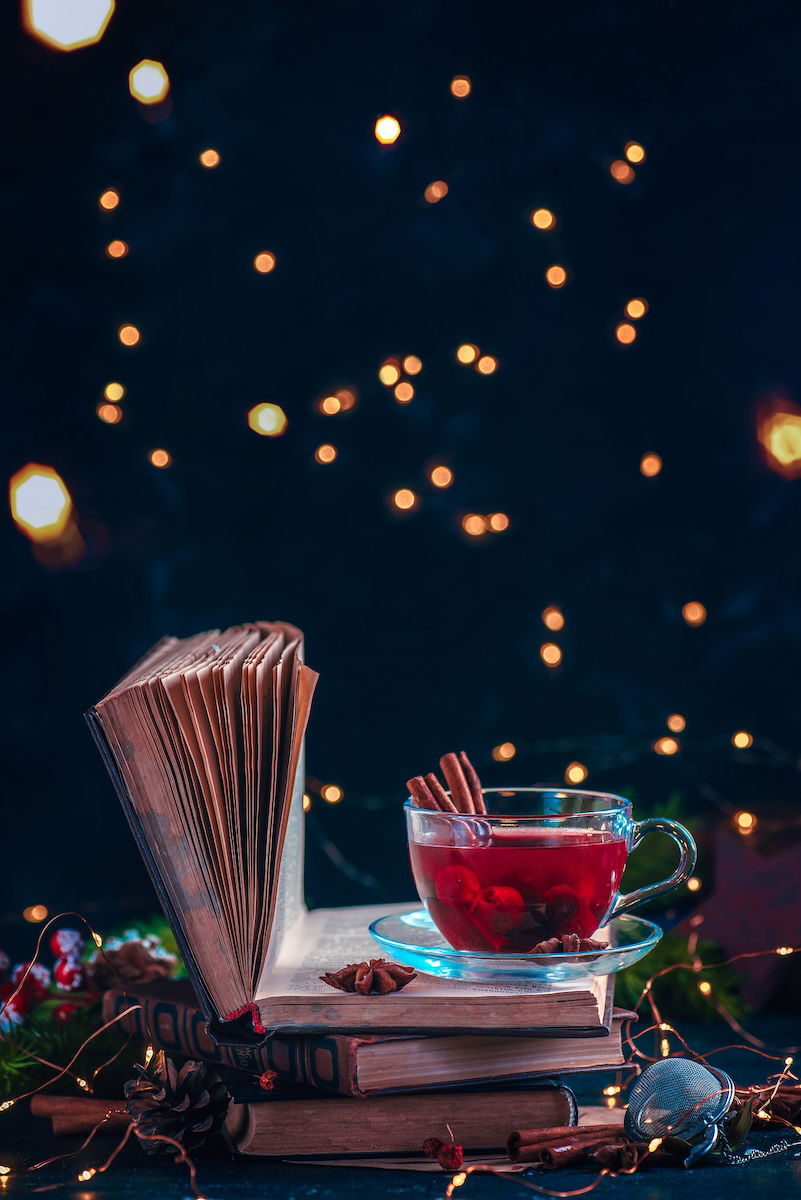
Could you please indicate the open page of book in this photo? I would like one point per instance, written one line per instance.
(206, 736)
(292, 995)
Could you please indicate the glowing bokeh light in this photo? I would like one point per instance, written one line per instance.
(487, 365)
(666, 746)
(264, 262)
(543, 218)
(209, 158)
(650, 465)
(621, 171)
(676, 723)
(460, 86)
(636, 308)
(332, 793)
(625, 333)
(441, 477)
(389, 372)
(504, 752)
(635, 153)
(412, 365)
(110, 414)
(114, 392)
(704, 987)
(550, 654)
(467, 353)
(267, 419)
(307, 801)
(67, 24)
(325, 454)
(347, 398)
(693, 884)
(474, 525)
(387, 130)
(160, 458)
(129, 335)
(330, 405)
(435, 191)
(117, 249)
(404, 499)
(553, 618)
(498, 522)
(404, 393)
(745, 821)
(556, 276)
(779, 433)
(40, 502)
(742, 740)
(148, 81)
(575, 772)
(694, 613)
(35, 913)
(109, 199)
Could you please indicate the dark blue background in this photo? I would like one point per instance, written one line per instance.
(426, 639)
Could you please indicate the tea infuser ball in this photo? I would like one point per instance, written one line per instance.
(678, 1097)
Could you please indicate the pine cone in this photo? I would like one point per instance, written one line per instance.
(182, 1103)
(132, 962)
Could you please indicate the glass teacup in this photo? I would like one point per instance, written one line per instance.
(541, 863)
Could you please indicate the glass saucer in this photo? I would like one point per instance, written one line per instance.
(413, 939)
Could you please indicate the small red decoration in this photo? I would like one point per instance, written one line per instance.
(450, 1156)
(432, 1147)
(268, 1081)
(69, 972)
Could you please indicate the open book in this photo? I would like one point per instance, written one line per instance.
(204, 741)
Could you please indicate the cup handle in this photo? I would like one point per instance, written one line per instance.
(683, 839)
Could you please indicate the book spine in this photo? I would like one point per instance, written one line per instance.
(324, 1061)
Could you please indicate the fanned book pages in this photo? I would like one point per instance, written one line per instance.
(204, 741)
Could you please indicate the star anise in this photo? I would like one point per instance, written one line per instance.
(567, 943)
(377, 977)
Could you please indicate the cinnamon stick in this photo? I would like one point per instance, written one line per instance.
(473, 783)
(78, 1114)
(528, 1145)
(444, 802)
(421, 793)
(454, 776)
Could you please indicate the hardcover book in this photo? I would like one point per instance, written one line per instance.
(357, 1065)
(203, 739)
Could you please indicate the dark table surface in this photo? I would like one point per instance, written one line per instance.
(24, 1141)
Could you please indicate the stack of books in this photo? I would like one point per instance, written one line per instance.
(204, 742)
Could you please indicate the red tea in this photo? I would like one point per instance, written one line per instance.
(518, 890)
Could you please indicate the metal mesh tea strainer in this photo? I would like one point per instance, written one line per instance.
(680, 1098)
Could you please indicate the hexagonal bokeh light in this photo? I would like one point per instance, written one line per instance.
(40, 503)
(67, 24)
(148, 82)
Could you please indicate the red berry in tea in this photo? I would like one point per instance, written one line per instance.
(502, 906)
(458, 885)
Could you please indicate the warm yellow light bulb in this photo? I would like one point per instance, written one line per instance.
(209, 158)
(109, 199)
(109, 414)
(325, 454)
(117, 249)
(435, 191)
(635, 153)
(693, 884)
(307, 801)
(550, 654)
(467, 353)
(556, 276)
(35, 914)
(487, 365)
(412, 365)
(331, 793)
(160, 458)
(504, 752)
(676, 723)
(114, 392)
(746, 822)
(460, 86)
(704, 987)
(404, 393)
(330, 405)
(389, 372)
(625, 333)
(498, 522)
(575, 772)
(67, 25)
(40, 503)
(264, 262)
(387, 130)
(742, 740)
